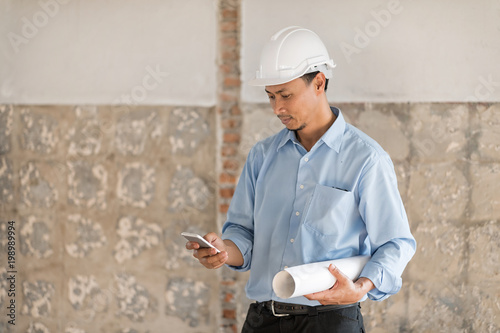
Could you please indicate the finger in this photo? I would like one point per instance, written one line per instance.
(204, 252)
(321, 297)
(213, 255)
(217, 258)
(216, 261)
(310, 297)
(192, 246)
(316, 296)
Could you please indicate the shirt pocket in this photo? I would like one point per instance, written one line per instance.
(326, 212)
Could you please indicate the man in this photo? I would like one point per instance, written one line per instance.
(318, 190)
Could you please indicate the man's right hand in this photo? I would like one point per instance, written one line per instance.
(207, 256)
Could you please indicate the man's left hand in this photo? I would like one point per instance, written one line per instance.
(344, 291)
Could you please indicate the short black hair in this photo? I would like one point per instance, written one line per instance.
(310, 76)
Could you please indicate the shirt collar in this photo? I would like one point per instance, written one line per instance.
(332, 137)
(288, 136)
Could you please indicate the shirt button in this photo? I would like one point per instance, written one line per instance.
(292, 240)
(301, 187)
(297, 213)
(306, 159)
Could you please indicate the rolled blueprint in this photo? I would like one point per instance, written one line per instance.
(311, 278)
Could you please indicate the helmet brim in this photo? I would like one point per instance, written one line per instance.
(262, 82)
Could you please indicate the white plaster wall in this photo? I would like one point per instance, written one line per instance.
(426, 50)
(103, 52)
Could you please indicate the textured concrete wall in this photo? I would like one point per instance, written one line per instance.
(447, 159)
(99, 196)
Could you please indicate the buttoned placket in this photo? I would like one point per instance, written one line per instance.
(298, 207)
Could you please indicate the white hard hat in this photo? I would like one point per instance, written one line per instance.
(291, 53)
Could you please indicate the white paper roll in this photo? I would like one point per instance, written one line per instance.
(311, 278)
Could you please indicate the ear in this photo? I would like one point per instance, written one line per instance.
(319, 83)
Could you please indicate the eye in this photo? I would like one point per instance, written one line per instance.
(286, 96)
(270, 96)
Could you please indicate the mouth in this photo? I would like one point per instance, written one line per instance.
(285, 119)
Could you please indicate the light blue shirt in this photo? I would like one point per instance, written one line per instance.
(340, 199)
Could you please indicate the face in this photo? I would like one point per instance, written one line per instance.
(293, 103)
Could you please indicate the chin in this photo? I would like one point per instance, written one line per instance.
(301, 127)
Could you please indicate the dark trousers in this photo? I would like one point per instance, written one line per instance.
(345, 320)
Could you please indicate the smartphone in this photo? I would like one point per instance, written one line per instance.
(198, 239)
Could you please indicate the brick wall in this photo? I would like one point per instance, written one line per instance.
(230, 118)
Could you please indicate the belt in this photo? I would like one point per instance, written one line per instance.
(279, 309)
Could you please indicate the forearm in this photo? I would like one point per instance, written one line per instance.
(386, 267)
(364, 285)
(235, 258)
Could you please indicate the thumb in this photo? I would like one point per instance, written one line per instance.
(337, 273)
(211, 236)
(215, 240)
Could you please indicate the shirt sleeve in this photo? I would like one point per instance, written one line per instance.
(392, 244)
(239, 226)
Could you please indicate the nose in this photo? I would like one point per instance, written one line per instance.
(278, 106)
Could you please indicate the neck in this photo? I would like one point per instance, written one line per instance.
(313, 132)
